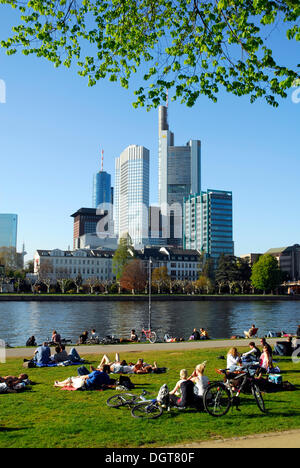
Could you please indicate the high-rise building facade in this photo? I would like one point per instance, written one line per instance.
(131, 194)
(179, 166)
(179, 173)
(102, 190)
(85, 222)
(8, 230)
(208, 223)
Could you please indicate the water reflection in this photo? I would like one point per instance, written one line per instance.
(20, 320)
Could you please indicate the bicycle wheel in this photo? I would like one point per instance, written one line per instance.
(147, 410)
(258, 398)
(217, 399)
(152, 337)
(122, 399)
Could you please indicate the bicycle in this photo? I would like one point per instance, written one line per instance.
(149, 335)
(219, 397)
(141, 407)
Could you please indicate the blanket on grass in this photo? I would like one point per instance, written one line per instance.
(64, 364)
(70, 388)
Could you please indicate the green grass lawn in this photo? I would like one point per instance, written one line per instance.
(49, 417)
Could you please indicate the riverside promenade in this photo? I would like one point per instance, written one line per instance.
(84, 350)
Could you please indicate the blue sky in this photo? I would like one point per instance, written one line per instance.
(53, 128)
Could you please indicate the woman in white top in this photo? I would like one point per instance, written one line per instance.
(200, 380)
(233, 359)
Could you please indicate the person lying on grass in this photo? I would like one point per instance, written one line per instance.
(13, 384)
(11, 380)
(121, 367)
(94, 380)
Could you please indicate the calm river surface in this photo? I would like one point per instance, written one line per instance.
(19, 320)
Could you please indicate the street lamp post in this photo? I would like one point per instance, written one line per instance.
(150, 287)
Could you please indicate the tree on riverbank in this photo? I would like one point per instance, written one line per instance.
(191, 47)
(134, 277)
(121, 257)
(266, 275)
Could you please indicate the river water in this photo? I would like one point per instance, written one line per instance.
(19, 320)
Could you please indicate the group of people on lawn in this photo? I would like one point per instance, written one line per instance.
(189, 389)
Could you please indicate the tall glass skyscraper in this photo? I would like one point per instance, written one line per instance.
(131, 194)
(102, 192)
(8, 230)
(208, 223)
(179, 166)
(179, 174)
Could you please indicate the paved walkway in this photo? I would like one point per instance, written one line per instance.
(142, 347)
(288, 439)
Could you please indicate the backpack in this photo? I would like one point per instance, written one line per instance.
(163, 396)
(29, 364)
(125, 381)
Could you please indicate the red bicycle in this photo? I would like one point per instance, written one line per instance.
(149, 335)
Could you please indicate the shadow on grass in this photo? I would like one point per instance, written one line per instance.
(12, 429)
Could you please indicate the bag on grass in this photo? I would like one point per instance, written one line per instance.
(125, 381)
(29, 364)
(163, 396)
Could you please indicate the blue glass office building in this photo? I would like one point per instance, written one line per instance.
(102, 192)
(208, 223)
(8, 230)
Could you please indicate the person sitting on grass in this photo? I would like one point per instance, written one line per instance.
(251, 332)
(195, 335)
(56, 338)
(200, 380)
(31, 341)
(42, 354)
(60, 355)
(253, 355)
(233, 360)
(203, 334)
(83, 338)
(265, 362)
(183, 394)
(133, 336)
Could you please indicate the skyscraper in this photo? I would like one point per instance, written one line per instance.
(8, 230)
(131, 194)
(208, 223)
(102, 191)
(85, 222)
(179, 166)
(179, 173)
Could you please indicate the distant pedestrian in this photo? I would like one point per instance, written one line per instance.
(56, 339)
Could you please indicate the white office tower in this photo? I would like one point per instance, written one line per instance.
(131, 201)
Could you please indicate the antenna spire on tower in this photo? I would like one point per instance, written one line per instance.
(102, 161)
